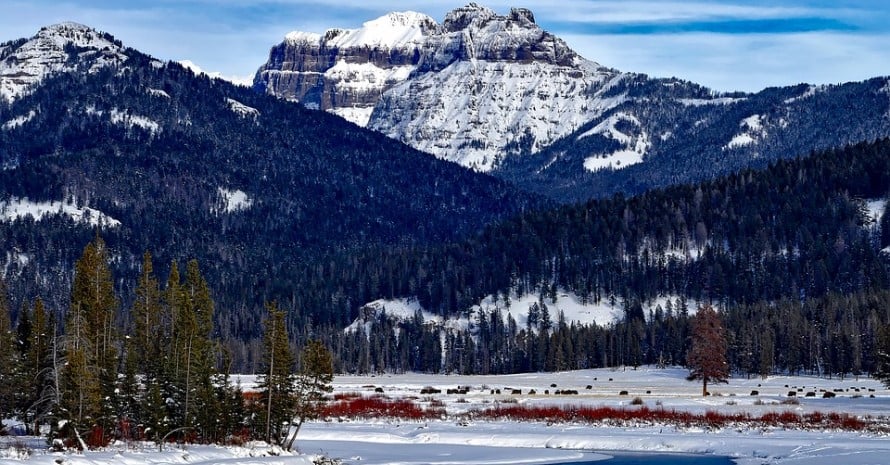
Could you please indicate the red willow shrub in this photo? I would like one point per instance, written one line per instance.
(714, 419)
(351, 406)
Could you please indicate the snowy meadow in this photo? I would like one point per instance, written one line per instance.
(453, 429)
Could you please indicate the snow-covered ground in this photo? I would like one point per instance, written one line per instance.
(458, 440)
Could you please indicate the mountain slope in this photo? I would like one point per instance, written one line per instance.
(189, 167)
(659, 137)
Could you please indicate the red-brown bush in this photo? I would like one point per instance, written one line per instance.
(379, 407)
(713, 419)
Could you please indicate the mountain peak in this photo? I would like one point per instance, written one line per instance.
(466, 16)
(70, 32)
(26, 63)
(463, 90)
(388, 31)
(65, 27)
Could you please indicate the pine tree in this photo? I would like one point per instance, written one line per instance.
(148, 327)
(144, 356)
(706, 358)
(8, 358)
(277, 379)
(883, 356)
(197, 351)
(91, 342)
(312, 382)
(171, 369)
(39, 395)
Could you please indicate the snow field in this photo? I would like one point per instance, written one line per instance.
(380, 441)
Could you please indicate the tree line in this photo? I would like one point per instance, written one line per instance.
(160, 369)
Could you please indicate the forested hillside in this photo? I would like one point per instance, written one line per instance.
(780, 246)
(254, 188)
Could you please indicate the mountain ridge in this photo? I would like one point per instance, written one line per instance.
(498, 94)
(443, 68)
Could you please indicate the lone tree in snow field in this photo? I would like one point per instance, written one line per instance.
(706, 358)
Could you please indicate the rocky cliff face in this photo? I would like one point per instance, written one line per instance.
(346, 71)
(476, 88)
(499, 94)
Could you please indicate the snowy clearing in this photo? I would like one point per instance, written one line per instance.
(241, 109)
(489, 442)
(19, 208)
(235, 200)
(476, 442)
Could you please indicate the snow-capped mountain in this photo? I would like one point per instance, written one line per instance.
(58, 48)
(346, 71)
(470, 90)
(498, 93)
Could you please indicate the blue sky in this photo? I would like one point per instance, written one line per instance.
(727, 45)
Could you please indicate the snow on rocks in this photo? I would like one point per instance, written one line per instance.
(241, 109)
(16, 208)
(19, 120)
(234, 200)
(464, 90)
(753, 132)
(26, 65)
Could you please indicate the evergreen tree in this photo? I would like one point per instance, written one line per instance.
(148, 327)
(883, 355)
(706, 358)
(313, 380)
(197, 351)
(8, 359)
(38, 394)
(277, 379)
(91, 345)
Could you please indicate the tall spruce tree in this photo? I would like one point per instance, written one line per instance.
(91, 343)
(706, 358)
(883, 356)
(197, 351)
(148, 326)
(8, 358)
(39, 394)
(277, 379)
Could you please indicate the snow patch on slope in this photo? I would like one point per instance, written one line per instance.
(697, 102)
(19, 120)
(241, 109)
(574, 309)
(17, 208)
(811, 91)
(752, 132)
(125, 118)
(234, 200)
(357, 115)
(635, 149)
(157, 93)
(131, 120)
(874, 208)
